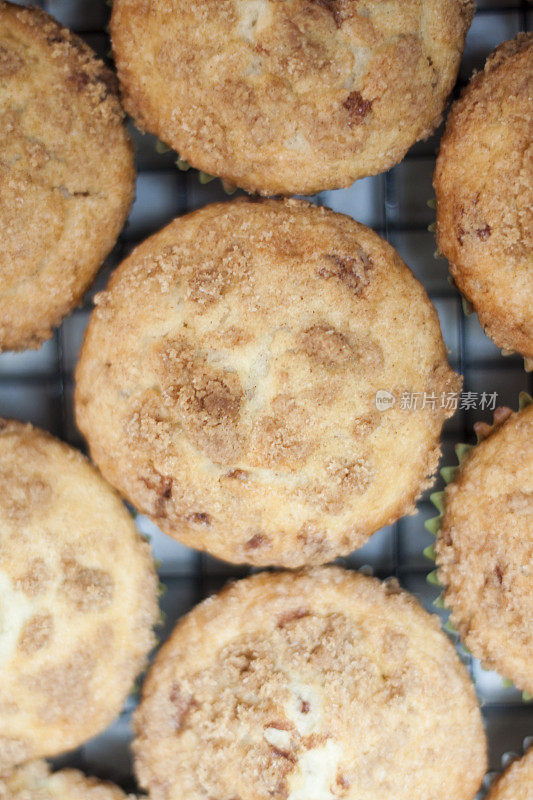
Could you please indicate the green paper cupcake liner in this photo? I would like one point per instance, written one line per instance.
(184, 166)
(434, 524)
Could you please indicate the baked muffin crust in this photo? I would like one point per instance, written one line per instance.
(78, 598)
(289, 97)
(485, 549)
(320, 685)
(34, 781)
(516, 783)
(66, 173)
(228, 378)
(484, 187)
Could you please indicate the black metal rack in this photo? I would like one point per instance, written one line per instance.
(38, 386)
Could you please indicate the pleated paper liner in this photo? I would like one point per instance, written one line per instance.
(203, 177)
(433, 525)
(468, 308)
(506, 760)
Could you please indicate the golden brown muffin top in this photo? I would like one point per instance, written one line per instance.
(485, 549)
(316, 685)
(34, 781)
(289, 97)
(78, 598)
(227, 383)
(484, 186)
(66, 172)
(516, 783)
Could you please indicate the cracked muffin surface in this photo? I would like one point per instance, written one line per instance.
(78, 598)
(484, 186)
(516, 783)
(289, 97)
(34, 781)
(227, 382)
(66, 173)
(318, 685)
(485, 548)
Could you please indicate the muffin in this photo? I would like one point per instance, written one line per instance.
(315, 685)
(484, 549)
(289, 97)
(228, 382)
(66, 173)
(517, 781)
(484, 187)
(78, 598)
(34, 781)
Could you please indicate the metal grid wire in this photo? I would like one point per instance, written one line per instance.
(38, 385)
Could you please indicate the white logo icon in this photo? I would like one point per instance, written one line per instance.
(384, 400)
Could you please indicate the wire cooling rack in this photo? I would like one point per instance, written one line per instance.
(38, 385)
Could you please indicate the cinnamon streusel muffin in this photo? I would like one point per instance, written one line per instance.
(229, 377)
(516, 783)
(66, 173)
(484, 187)
(485, 547)
(34, 781)
(77, 598)
(289, 97)
(315, 685)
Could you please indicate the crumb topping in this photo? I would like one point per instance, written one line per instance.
(242, 416)
(306, 94)
(484, 187)
(485, 549)
(66, 172)
(75, 624)
(266, 708)
(35, 781)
